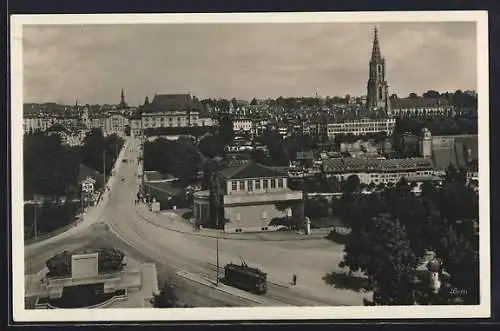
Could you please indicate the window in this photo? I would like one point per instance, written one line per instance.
(265, 183)
(257, 184)
(238, 216)
(273, 183)
(250, 185)
(264, 214)
(242, 185)
(280, 183)
(234, 186)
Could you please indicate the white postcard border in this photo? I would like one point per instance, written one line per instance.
(255, 313)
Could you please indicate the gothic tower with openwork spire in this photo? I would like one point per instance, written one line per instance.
(378, 91)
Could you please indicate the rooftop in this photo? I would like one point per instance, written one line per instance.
(251, 170)
(371, 164)
(418, 102)
(171, 102)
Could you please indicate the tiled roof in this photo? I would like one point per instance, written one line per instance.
(170, 102)
(368, 164)
(251, 170)
(417, 102)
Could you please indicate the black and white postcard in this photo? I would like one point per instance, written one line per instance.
(250, 166)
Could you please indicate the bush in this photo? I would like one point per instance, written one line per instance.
(167, 298)
(109, 260)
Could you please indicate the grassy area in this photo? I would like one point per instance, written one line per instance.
(51, 219)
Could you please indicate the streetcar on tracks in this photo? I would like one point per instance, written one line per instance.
(245, 278)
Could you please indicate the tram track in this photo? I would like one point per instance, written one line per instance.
(178, 264)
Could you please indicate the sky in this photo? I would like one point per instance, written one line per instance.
(94, 62)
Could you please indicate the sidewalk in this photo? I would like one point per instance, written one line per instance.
(91, 216)
(173, 222)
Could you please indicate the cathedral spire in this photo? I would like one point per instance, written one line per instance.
(376, 55)
(377, 97)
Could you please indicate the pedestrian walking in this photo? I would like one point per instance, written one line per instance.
(294, 279)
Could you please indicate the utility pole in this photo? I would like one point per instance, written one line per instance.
(216, 205)
(82, 208)
(217, 239)
(104, 168)
(217, 260)
(34, 220)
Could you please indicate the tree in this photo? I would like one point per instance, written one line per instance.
(316, 207)
(179, 158)
(381, 249)
(212, 145)
(226, 127)
(351, 185)
(431, 94)
(109, 260)
(393, 277)
(50, 168)
(413, 95)
(167, 298)
(461, 260)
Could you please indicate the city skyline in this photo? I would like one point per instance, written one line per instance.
(93, 63)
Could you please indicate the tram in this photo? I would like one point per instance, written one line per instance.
(245, 278)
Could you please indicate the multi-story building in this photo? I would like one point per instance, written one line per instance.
(42, 122)
(169, 111)
(253, 195)
(116, 124)
(242, 125)
(421, 107)
(36, 122)
(98, 121)
(378, 170)
(361, 126)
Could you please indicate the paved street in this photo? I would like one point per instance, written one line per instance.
(187, 251)
(176, 245)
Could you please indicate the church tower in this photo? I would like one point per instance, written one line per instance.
(425, 143)
(123, 104)
(378, 91)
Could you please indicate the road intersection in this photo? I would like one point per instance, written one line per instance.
(180, 247)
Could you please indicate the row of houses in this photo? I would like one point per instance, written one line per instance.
(320, 127)
(110, 122)
(166, 110)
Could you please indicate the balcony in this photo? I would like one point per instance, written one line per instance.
(269, 197)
